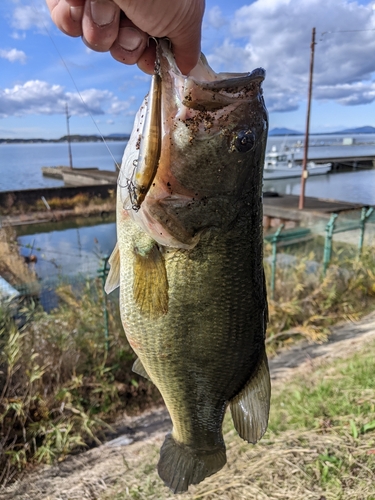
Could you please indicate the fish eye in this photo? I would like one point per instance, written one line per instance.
(243, 141)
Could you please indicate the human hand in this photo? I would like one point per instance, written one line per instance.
(123, 27)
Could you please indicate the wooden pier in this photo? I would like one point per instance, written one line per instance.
(343, 162)
(81, 176)
(283, 209)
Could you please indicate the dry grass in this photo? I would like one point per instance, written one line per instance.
(81, 203)
(306, 304)
(12, 265)
(58, 384)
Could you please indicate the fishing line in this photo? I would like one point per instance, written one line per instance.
(40, 249)
(75, 85)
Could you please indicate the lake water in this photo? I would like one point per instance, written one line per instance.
(20, 164)
(69, 247)
(355, 186)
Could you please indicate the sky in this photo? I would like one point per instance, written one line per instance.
(41, 68)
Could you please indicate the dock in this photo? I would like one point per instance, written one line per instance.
(341, 162)
(283, 209)
(90, 176)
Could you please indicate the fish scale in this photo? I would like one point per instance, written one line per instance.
(189, 264)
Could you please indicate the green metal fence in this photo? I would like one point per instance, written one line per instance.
(354, 229)
(348, 228)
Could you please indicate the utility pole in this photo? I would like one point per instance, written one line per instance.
(305, 172)
(68, 129)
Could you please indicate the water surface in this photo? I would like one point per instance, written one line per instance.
(20, 164)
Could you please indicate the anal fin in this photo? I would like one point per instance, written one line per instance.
(250, 408)
(113, 278)
(140, 369)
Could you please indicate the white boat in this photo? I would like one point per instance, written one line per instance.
(281, 165)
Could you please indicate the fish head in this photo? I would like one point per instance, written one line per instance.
(212, 132)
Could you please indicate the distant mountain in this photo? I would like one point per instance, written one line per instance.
(283, 131)
(359, 130)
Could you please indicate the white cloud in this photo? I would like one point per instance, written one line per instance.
(121, 107)
(13, 55)
(42, 98)
(18, 36)
(276, 34)
(29, 16)
(142, 77)
(215, 17)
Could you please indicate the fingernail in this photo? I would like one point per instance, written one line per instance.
(129, 39)
(76, 13)
(102, 12)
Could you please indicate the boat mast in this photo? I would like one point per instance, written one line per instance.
(305, 172)
(68, 129)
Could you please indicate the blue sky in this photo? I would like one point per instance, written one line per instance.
(237, 36)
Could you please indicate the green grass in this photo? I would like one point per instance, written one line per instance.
(331, 399)
(320, 444)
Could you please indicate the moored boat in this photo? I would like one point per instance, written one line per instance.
(280, 165)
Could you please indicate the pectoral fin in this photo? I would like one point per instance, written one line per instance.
(140, 369)
(250, 408)
(113, 278)
(150, 285)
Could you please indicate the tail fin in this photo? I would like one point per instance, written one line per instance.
(180, 465)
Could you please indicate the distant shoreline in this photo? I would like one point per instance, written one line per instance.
(73, 138)
(283, 131)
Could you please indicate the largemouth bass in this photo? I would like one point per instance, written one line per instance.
(189, 259)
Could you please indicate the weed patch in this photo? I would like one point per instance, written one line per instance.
(59, 387)
(306, 304)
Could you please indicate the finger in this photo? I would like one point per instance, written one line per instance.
(76, 9)
(100, 24)
(146, 62)
(186, 53)
(130, 43)
(67, 17)
(186, 38)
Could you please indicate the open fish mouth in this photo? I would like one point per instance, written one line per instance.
(202, 91)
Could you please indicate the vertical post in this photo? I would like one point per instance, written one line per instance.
(365, 214)
(330, 227)
(68, 130)
(103, 273)
(274, 241)
(305, 172)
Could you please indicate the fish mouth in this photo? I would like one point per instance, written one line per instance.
(201, 90)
